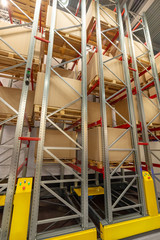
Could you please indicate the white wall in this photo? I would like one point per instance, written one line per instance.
(8, 133)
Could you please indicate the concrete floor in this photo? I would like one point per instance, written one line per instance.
(153, 235)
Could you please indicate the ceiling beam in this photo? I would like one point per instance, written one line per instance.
(143, 8)
(123, 2)
(130, 3)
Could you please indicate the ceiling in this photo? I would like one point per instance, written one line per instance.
(153, 17)
(151, 7)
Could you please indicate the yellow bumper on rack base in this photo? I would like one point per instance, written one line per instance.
(129, 228)
(90, 234)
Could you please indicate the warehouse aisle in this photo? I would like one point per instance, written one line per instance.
(153, 235)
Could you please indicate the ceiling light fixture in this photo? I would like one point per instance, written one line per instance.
(4, 3)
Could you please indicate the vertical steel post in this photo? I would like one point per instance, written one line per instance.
(131, 110)
(151, 57)
(61, 176)
(141, 112)
(105, 150)
(139, 96)
(154, 73)
(84, 196)
(37, 179)
(1, 133)
(16, 146)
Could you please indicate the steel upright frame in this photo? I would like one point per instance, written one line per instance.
(7, 213)
(4, 145)
(83, 179)
(149, 51)
(109, 175)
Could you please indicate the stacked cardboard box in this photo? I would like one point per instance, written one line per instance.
(139, 50)
(19, 39)
(114, 65)
(60, 93)
(64, 21)
(94, 113)
(12, 97)
(95, 145)
(54, 138)
(107, 21)
(150, 110)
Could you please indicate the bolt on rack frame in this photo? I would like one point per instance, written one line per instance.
(147, 128)
(111, 175)
(74, 213)
(7, 213)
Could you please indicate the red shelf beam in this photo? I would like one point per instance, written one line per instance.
(29, 138)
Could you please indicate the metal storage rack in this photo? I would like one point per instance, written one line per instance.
(109, 175)
(13, 66)
(20, 115)
(38, 183)
(147, 129)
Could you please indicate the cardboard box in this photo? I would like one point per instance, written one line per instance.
(64, 20)
(91, 15)
(94, 113)
(12, 96)
(148, 76)
(107, 22)
(54, 138)
(95, 145)
(139, 50)
(19, 39)
(149, 109)
(60, 93)
(115, 66)
(152, 91)
(63, 72)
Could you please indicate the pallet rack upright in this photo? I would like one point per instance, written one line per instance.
(7, 213)
(135, 178)
(146, 127)
(82, 213)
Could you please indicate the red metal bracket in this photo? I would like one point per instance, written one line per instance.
(75, 167)
(134, 70)
(92, 29)
(153, 96)
(42, 39)
(137, 25)
(29, 138)
(124, 126)
(10, 16)
(99, 122)
(100, 170)
(142, 143)
(78, 8)
(73, 125)
(93, 87)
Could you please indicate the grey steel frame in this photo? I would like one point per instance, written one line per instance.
(109, 175)
(145, 127)
(83, 179)
(6, 219)
(7, 120)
